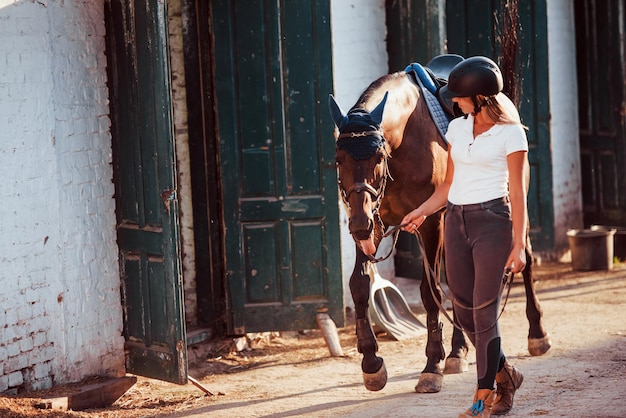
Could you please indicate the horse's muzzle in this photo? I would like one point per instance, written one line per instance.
(360, 227)
(362, 235)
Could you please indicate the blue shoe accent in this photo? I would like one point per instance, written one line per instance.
(478, 407)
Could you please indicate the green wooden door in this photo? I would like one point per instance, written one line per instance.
(415, 31)
(600, 63)
(145, 189)
(273, 75)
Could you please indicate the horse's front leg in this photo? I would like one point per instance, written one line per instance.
(373, 367)
(431, 378)
(538, 339)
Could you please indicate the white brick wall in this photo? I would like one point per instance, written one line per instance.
(60, 312)
(359, 49)
(567, 186)
(183, 163)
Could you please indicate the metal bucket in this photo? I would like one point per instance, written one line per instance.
(591, 249)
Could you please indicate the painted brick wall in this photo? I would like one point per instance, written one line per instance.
(567, 183)
(183, 162)
(359, 57)
(60, 311)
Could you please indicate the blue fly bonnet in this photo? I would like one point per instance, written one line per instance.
(361, 136)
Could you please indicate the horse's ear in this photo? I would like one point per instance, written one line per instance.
(377, 113)
(335, 112)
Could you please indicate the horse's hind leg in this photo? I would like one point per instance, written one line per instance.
(538, 339)
(373, 367)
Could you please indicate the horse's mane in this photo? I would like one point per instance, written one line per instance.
(376, 85)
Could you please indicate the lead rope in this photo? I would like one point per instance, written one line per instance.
(396, 232)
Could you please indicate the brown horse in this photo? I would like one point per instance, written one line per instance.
(390, 157)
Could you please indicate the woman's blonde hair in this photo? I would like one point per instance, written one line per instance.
(500, 109)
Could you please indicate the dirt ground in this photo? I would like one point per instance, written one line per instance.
(293, 374)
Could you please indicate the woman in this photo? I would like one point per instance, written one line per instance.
(485, 221)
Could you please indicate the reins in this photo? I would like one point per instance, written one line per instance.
(396, 232)
(434, 281)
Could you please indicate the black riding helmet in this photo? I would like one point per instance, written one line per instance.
(471, 77)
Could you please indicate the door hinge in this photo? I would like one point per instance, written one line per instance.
(168, 196)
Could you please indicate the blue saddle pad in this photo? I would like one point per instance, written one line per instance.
(429, 89)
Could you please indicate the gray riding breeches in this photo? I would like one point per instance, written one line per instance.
(478, 240)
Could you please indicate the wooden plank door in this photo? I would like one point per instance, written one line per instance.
(415, 31)
(145, 189)
(600, 48)
(273, 75)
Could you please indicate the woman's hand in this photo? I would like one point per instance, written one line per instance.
(413, 220)
(517, 259)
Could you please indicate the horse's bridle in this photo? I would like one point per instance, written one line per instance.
(364, 187)
(376, 194)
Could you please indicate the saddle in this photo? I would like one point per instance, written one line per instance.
(431, 79)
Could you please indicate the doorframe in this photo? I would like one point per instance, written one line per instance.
(206, 179)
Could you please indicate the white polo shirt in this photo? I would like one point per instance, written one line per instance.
(480, 166)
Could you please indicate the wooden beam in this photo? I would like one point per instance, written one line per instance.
(97, 395)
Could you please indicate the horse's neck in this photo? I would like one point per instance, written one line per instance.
(403, 99)
(397, 114)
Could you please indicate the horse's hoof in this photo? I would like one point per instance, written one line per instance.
(429, 383)
(539, 346)
(456, 365)
(375, 381)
